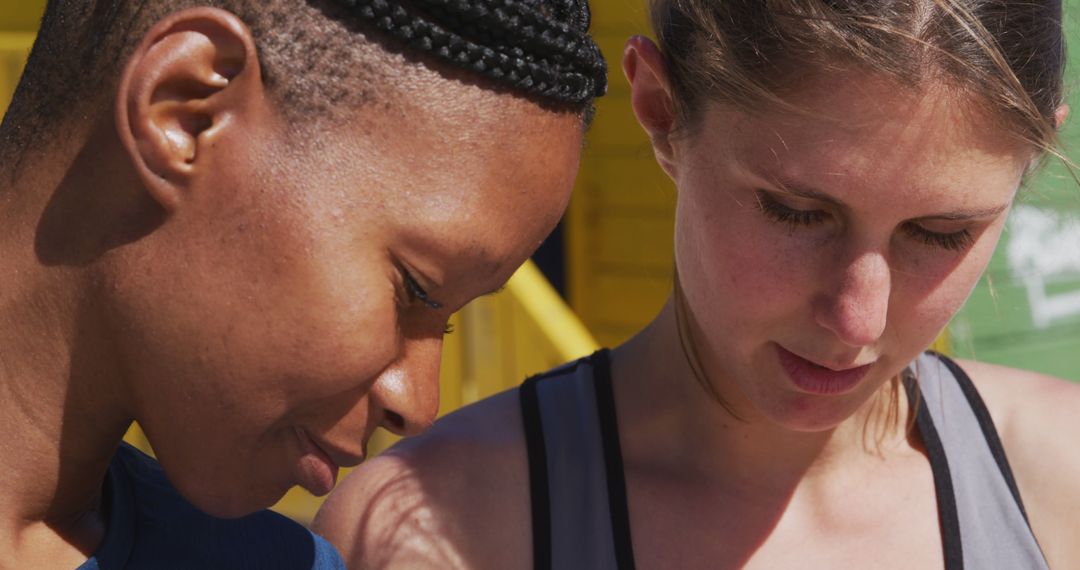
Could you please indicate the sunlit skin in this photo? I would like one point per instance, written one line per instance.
(242, 289)
(846, 243)
(848, 234)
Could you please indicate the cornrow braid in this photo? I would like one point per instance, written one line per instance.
(545, 52)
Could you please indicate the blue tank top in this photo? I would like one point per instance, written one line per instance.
(580, 517)
(149, 525)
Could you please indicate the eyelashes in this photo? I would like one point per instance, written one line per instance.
(957, 241)
(416, 293)
(795, 219)
(790, 216)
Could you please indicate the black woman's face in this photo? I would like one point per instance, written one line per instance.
(301, 300)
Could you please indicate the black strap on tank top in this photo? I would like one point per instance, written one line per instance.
(539, 490)
(613, 461)
(616, 482)
(538, 478)
(986, 423)
(939, 466)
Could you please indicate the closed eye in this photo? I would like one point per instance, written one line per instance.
(784, 214)
(952, 241)
(795, 218)
(416, 292)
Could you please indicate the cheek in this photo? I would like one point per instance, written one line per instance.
(931, 286)
(328, 326)
(250, 336)
(223, 361)
(922, 304)
(736, 263)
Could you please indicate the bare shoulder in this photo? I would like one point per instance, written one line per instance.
(454, 497)
(1037, 417)
(1022, 401)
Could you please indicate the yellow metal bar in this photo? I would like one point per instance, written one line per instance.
(554, 320)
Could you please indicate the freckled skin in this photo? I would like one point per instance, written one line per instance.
(858, 287)
(777, 477)
(793, 479)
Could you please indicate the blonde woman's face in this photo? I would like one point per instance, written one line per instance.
(820, 253)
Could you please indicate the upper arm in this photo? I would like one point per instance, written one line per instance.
(1038, 420)
(379, 517)
(456, 497)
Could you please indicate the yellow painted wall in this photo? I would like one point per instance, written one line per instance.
(21, 15)
(14, 48)
(19, 21)
(621, 218)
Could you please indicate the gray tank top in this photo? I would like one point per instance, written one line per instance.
(580, 517)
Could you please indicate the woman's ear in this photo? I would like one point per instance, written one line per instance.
(192, 70)
(1060, 114)
(651, 96)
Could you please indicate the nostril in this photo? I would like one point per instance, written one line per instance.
(394, 422)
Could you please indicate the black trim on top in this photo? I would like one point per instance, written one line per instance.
(943, 486)
(618, 507)
(986, 423)
(538, 474)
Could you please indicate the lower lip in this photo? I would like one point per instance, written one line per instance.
(814, 379)
(318, 473)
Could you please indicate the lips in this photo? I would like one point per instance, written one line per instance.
(814, 378)
(317, 472)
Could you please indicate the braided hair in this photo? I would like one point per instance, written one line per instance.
(540, 49)
(545, 52)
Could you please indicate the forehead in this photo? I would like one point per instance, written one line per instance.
(865, 133)
(471, 186)
(439, 147)
(501, 164)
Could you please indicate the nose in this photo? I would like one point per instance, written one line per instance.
(407, 392)
(857, 307)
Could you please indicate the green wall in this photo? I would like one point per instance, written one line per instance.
(1026, 310)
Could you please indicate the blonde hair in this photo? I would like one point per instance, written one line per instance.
(1006, 55)
(1009, 55)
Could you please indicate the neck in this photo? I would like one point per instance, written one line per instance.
(673, 418)
(60, 409)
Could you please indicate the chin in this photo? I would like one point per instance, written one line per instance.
(809, 415)
(814, 425)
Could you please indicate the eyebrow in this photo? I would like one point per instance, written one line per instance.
(961, 215)
(495, 291)
(803, 191)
